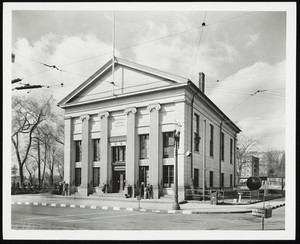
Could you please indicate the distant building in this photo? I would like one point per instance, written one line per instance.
(263, 163)
(119, 131)
(250, 167)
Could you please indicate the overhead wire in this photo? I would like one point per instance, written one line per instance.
(195, 61)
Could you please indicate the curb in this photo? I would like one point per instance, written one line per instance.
(63, 205)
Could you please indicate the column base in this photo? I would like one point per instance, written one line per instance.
(83, 191)
(175, 206)
(155, 192)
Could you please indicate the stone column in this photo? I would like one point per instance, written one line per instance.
(69, 167)
(85, 162)
(105, 164)
(131, 164)
(155, 160)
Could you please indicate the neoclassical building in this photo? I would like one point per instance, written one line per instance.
(119, 131)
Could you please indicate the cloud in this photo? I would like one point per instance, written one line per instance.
(253, 40)
(261, 115)
(53, 50)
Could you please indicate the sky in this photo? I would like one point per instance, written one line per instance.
(240, 52)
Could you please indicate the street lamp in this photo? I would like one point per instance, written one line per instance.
(176, 138)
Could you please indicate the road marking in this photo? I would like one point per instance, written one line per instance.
(104, 207)
(143, 210)
(19, 203)
(129, 209)
(63, 205)
(93, 207)
(116, 208)
(187, 212)
(44, 204)
(13, 203)
(27, 203)
(103, 217)
(171, 211)
(82, 206)
(72, 206)
(53, 205)
(35, 203)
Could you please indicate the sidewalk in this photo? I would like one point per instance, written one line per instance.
(144, 205)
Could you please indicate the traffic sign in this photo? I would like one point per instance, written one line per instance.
(254, 183)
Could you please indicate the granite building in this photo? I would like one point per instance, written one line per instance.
(119, 131)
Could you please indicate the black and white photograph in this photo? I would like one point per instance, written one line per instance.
(149, 121)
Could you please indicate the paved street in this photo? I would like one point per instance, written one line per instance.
(40, 217)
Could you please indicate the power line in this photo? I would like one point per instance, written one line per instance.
(203, 24)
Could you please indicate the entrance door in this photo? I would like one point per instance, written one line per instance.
(144, 175)
(119, 181)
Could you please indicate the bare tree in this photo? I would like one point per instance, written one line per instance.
(55, 159)
(27, 115)
(245, 146)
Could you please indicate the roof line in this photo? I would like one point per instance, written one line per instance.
(170, 77)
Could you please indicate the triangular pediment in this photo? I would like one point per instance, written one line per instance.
(128, 78)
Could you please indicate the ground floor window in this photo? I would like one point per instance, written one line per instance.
(77, 176)
(211, 178)
(144, 174)
(196, 177)
(96, 176)
(168, 176)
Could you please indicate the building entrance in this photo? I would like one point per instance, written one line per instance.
(118, 181)
(118, 162)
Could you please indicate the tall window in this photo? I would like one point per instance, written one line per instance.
(119, 154)
(168, 176)
(96, 176)
(211, 142)
(222, 180)
(231, 180)
(96, 143)
(168, 144)
(231, 148)
(196, 177)
(211, 178)
(78, 151)
(144, 146)
(222, 146)
(77, 176)
(196, 133)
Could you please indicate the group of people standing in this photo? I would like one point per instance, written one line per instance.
(146, 191)
(64, 188)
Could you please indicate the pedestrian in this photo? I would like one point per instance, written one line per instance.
(63, 188)
(66, 190)
(148, 190)
(142, 189)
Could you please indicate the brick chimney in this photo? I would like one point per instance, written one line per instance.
(202, 81)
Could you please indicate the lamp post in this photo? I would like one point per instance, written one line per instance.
(176, 138)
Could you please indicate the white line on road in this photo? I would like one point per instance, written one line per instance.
(103, 217)
(129, 209)
(53, 204)
(27, 203)
(35, 203)
(19, 203)
(116, 208)
(82, 206)
(63, 205)
(72, 206)
(93, 207)
(44, 204)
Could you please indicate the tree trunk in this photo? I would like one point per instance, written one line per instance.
(21, 174)
(39, 162)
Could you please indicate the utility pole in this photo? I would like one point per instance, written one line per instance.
(113, 52)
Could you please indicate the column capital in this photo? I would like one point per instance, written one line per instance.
(102, 114)
(132, 110)
(66, 117)
(85, 116)
(156, 106)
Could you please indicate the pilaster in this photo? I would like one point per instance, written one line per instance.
(86, 164)
(69, 167)
(131, 164)
(105, 168)
(155, 160)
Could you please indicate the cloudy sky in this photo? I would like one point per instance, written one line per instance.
(240, 52)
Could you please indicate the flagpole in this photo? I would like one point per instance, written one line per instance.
(113, 52)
